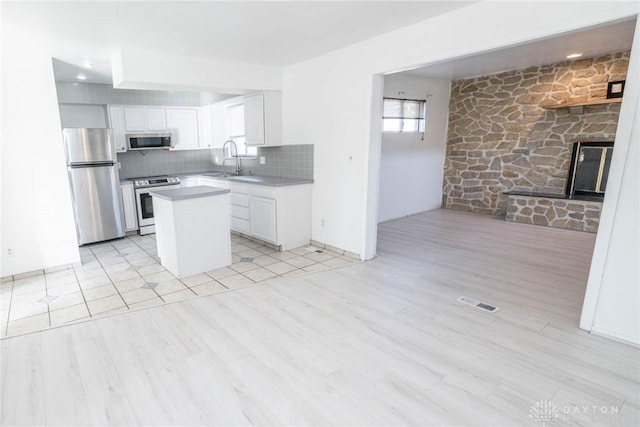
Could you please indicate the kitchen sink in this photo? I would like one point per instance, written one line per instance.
(248, 178)
(214, 174)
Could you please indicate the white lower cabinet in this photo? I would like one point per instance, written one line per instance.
(263, 218)
(129, 205)
(277, 215)
(212, 182)
(240, 219)
(240, 225)
(189, 181)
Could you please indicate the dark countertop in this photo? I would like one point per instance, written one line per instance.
(184, 193)
(554, 196)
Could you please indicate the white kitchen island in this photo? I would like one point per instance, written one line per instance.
(192, 229)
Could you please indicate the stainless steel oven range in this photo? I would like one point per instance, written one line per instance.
(144, 203)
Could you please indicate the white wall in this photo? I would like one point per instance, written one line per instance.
(327, 100)
(83, 116)
(37, 218)
(612, 300)
(410, 167)
(618, 307)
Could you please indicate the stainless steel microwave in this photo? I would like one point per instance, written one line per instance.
(148, 141)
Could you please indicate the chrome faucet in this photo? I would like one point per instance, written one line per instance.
(233, 154)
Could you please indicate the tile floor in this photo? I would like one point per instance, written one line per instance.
(125, 274)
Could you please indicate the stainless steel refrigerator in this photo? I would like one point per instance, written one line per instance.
(95, 184)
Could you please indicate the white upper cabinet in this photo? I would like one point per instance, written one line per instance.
(218, 124)
(263, 118)
(145, 119)
(235, 120)
(254, 119)
(155, 119)
(183, 125)
(117, 123)
(191, 128)
(134, 119)
(257, 117)
(205, 127)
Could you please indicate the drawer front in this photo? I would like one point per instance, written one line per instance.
(212, 182)
(188, 182)
(240, 200)
(240, 225)
(238, 188)
(239, 212)
(261, 191)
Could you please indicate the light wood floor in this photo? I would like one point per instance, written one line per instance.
(376, 343)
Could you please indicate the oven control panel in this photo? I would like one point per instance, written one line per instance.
(154, 182)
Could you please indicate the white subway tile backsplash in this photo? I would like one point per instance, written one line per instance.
(291, 161)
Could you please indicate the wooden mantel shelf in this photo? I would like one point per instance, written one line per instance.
(550, 105)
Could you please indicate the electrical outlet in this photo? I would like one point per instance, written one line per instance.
(10, 252)
(262, 160)
(322, 222)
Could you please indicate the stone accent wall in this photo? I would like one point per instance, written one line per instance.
(501, 139)
(572, 214)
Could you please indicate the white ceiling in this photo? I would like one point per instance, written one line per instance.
(99, 72)
(270, 33)
(590, 42)
(264, 32)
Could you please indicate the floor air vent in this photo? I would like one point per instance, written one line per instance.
(478, 304)
(314, 249)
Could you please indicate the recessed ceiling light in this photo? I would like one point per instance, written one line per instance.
(574, 55)
(82, 77)
(87, 64)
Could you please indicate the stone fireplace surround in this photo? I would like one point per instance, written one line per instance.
(582, 214)
(502, 140)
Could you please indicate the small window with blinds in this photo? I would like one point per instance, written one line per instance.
(403, 115)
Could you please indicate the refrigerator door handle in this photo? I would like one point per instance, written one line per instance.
(91, 165)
